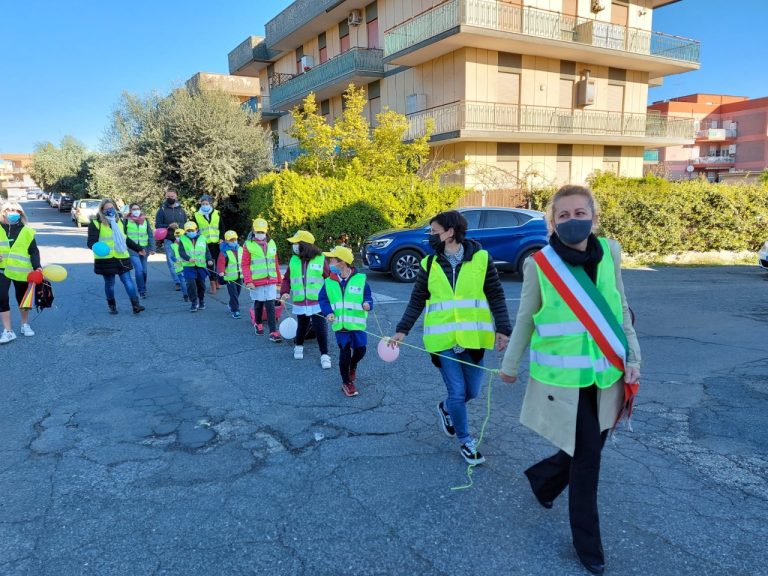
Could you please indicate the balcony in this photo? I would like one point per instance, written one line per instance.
(714, 162)
(261, 104)
(357, 66)
(716, 134)
(251, 56)
(305, 19)
(285, 154)
(487, 121)
(240, 86)
(493, 25)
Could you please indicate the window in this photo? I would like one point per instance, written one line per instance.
(473, 219)
(323, 47)
(325, 108)
(372, 25)
(501, 219)
(299, 56)
(344, 35)
(374, 101)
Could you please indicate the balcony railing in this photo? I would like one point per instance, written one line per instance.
(717, 134)
(713, 160)
(354, 62)
(295, 15)
(286, 154)
(492, 117)
(502, 17)
(251, 49)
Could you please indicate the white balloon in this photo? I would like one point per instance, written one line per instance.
(288, 328)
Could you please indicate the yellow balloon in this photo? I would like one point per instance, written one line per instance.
(55, 273)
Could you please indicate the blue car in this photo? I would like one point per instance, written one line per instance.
(509, 234)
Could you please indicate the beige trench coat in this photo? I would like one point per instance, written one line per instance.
(550, 411)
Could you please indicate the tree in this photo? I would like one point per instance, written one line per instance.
(57, 169)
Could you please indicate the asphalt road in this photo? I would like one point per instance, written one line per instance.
(177, 443)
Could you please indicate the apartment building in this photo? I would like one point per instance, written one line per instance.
(533, 91)
(731, 136)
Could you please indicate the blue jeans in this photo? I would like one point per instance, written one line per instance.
(140, 269)
(181, 281)
(169, 259)
(125, 278)
(463, 384)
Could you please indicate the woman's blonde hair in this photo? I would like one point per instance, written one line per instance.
(16, 207)
(570, 190)
(100, 213)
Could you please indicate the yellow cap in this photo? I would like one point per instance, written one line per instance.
(342, 253)
(178, 232)
(302, 236)
(230, 235)
(260, 225)
(190, 225)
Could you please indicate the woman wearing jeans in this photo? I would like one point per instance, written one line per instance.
(466, 315)
(138, 229)
(106, 227)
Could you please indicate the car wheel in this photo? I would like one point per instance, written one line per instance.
(521, 261)
(405, 265)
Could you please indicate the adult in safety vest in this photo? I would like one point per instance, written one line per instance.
(197, 262)
(107, 229)
(466, 314)
(138, 229)
(574, 316)
(230, 269)
(307, 270)
(19, 256)
(261, 274)
(345, 301)
(210, 226)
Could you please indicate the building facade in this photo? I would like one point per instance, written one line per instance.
(524, 92)
(731, 136)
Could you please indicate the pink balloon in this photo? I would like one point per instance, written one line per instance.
(161, 233)
(386, 352)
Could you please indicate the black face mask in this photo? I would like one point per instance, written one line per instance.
(435, 243)
(170, 201)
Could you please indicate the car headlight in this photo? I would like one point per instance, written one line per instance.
(381, 243)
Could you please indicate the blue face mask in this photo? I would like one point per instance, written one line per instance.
(573, 231)
(206, 208)
(110, 212)
(191, 234)
(233, 245)
(335, 269)
(13, 217)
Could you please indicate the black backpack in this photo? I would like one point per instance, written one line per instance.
(43, 296)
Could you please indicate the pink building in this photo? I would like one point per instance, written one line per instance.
(731, 135)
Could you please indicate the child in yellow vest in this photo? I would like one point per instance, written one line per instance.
(196, 258)
(345, 301)
(178, 264)
(230, 270)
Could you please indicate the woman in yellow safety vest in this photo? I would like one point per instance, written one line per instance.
(466, 315)
(210, 226)
(138, 229)
(19, 256)
(575, 317)
(107, 228)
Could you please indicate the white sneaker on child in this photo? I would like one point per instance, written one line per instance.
(26, 329)
(7, 336)
(325, 361)
(298, 352)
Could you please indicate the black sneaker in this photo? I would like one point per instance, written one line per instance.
(446, 424)
(194, 307)
(202, 306)
(470, 453)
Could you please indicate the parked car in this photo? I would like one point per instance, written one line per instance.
(65, 203)
(762, 257)
(31, 195)
(53, 200)
(509, 234)
(45, 195)
(84, 210)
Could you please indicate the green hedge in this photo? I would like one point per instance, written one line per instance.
(348, 209)
(654, 216)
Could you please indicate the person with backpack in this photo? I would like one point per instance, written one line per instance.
(583, 349)
(210, 224)
(466, 314)
(107, 228)
(19, 255)
(170, 216)
(138, 229)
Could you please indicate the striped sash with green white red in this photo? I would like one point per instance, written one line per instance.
(587, 303)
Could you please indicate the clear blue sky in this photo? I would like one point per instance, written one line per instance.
(65, 63)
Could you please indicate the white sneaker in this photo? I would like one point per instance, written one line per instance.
(325, 361)
(7, 336)
(298, 352)
(26, 329)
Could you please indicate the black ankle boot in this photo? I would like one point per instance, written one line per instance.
(136, 306)
(112, 305)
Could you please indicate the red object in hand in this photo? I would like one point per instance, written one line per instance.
(160, 233)
(36, 277)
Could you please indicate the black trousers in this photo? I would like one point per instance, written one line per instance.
(19, 286)
(318, 323)
(580, 474)
(196, 290)
(349, 358)
(258, 312)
